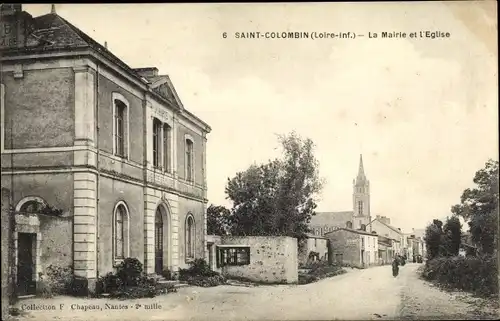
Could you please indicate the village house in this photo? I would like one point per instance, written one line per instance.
(385, 250)
(313, 248)
(354, 247)
(103, 161)
(381, 226)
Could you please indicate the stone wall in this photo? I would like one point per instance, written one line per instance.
(31, 91)
(346, 245)
(6, 234)
(272, 259)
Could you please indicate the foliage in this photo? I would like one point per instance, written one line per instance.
(130, 282)
(277, 198)
(129, 271)
(479, 206)
(475, 274)
(206, 281)
(199, 267)
(167, 274)
(218, 220)
(57, 280)
(200, 274)
(433, 234)
(50, 210)
(452, 236)
(320, 270)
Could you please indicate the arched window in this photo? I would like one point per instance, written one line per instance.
(120, 231)
(348, 224)
(31, 204)
(190, 237)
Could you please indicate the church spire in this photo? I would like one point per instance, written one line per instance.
(361, 170)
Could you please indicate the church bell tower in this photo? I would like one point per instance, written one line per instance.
(361, 198)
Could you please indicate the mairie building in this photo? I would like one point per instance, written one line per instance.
(102, 160)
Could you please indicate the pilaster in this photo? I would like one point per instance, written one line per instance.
(84, 225)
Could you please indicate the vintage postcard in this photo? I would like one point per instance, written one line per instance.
(249, 161)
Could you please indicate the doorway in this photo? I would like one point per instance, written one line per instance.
(158, 242)
(26, 243)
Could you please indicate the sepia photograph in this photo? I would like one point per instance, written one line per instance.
(250, 161)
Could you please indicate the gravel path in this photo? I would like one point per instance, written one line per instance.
(371, 294)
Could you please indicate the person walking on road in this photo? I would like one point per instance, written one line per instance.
(395, 266)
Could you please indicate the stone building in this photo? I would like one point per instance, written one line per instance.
(358, 218)
(354, 247)
(266, 259)
(381, 226)
(110, 149)
(313, 248)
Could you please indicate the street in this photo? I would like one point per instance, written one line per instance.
(359, 294)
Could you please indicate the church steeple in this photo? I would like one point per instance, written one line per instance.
(361, 178)
(361, 197)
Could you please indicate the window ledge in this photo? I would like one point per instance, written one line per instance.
(190, 259)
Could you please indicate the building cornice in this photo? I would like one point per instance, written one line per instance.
(97, 58)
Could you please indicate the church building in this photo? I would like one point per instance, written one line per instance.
(358, 218)
(103, 161)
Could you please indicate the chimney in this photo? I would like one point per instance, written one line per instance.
(106, 44)
(53, 9)
(147, 71)
(16, 26)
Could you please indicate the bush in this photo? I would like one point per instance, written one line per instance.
(200, 274)
(320, 270)
(206, 281)
(130, 271)
(167, 274)
(199, 267)
(478, 275)
(58, 279)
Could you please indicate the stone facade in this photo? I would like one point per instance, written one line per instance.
(313, 244)
(390, 232)
(78, 134)
(6, 234)
(354, 247)
(273, 259)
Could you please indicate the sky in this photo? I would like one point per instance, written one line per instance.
(422, 112)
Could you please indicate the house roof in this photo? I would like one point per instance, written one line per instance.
(311, 236)
(53, 33)
(352, 231)
(389, 226)
(331, 218)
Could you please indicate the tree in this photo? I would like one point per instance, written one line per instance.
(218, 220)
(479, 206)
(433, 239)
(452, 236)
(279, 197)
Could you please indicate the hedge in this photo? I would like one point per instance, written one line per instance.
(478, 275)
